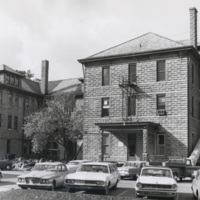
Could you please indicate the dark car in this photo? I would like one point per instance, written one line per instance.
(5, 165)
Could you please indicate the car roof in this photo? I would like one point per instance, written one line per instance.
(49, 163)
(136, 161)
(156, 167)
(98, 163)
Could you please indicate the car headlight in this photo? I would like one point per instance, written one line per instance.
(139, 185)
(21, 180)
(44, 181)
(100, 183)
(70, 181)
(174, 186)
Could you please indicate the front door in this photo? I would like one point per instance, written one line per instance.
(131, 146)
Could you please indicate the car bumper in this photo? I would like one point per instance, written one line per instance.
(85, 187)
(156, 193)
(45, 186)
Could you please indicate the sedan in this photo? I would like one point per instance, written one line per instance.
(131, 169)
(46, 175)
(196, 185)
(74, 164)
(156, 182)
(94, 175)
(5, 165)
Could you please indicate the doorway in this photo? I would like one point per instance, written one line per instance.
(131, 147)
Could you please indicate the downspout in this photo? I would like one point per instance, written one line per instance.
(188, 106)
(23, 116)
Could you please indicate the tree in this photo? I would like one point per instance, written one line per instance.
(60, 121)
(26, 74)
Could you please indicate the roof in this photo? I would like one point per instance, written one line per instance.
(146, 42)
(97, 163)
(8, 69)
(30, 86)
(49, 163)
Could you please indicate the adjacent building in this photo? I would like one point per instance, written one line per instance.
(142, 99)
(20, 97)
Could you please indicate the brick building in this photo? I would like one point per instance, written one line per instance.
(142, 99)
(20, 97)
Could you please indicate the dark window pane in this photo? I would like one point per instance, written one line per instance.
(16, 122)
(131, 105)
(12, 80)
(160, 70)
(7, 79)
(132, 73)
(161, 102)
(105, 76)
(105, 107)
(9, 121)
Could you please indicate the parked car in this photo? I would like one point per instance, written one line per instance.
(196, 185)
(5, 165)
(156, 182)
(94, 175)
(46, 175)
(131, 169)
(0, 175)
(74, 164)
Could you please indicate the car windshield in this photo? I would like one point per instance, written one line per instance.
(156, 172)
(45, 167)
(131, 164)
(93, 168)
(73, 163)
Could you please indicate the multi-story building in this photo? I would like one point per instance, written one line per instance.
(142, 99)
(20, 97)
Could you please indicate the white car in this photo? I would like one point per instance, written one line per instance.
(156, 182)
(0, 175)
(74, 164)
(94, 175)
(131, 169)
(196, 185)
(46, 175)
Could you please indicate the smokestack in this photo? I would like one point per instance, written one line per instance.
(193, 27)
(44, 76)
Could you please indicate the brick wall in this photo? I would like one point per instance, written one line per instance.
(174, 124)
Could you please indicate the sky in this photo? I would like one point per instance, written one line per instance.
(63, 31)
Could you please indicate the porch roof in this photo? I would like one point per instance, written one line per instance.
(126, 126)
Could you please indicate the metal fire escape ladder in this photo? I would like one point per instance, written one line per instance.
(128, 89)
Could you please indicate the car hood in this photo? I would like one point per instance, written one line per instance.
(39, 174)
(125, 168)
(156, 180)
(87, 176)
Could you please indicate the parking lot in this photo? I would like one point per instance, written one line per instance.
(125, 187)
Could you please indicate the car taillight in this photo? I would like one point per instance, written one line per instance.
(139, 185)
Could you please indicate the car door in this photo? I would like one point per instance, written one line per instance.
(64, 171)
(114, 174)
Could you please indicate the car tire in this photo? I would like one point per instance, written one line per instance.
(106, 190)
(115, 186)
(53, 186)
(8, 167)
(24, 188)
(138, 196)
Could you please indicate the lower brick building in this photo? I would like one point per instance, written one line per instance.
(142, 99)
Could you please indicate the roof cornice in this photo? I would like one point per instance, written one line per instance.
(144, 53)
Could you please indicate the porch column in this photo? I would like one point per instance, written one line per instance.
(145, 143)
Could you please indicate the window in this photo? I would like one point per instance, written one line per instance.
(192, 73)
(192, 106)
(32, 103)
(161, 101)
(0, 120)
(160, 144)
(161, 70)
(17, 82)
(26, 103)
(7, 79)
(9, 121)
(10, 99)
(105, 76)
(132, 73)
(16, 122)
(12, 80)
(105, 107)
(1, 98)
(106, 141)
(16, 100)
(131, 105)
(8, 146)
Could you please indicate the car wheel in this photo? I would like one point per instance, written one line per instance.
(24, 188)
(138, 196)
(115, 186)
(106, 190)
(8, 167)
(53, 186)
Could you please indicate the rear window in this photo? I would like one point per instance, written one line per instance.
(93, 168)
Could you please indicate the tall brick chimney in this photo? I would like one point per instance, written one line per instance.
(193, 27)
(44, 76)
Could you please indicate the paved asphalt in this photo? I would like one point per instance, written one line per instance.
(125, 187)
